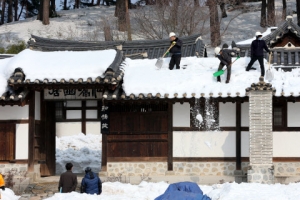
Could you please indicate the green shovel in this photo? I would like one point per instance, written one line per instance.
(220, 72)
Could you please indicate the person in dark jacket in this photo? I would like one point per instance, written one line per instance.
(91, 183)
(67, 180)
(257, 53)
(175, 51)
(224, 56)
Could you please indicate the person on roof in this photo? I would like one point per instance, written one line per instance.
(175, 51)
(91, 183)
(224, 56)
(257, 53)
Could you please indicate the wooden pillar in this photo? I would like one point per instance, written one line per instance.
(104, 153)
(238, 136)
(170, 136)
(31, 130)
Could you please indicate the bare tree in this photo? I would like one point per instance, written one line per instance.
(222, 7)
(271, 13)
(16, 2)
(263, 14)
(123, 18)
(10, 11)
(284, 9)
(77, 2)
(298, 11)
(215, 36)
(196, 3)
(46, 8)
(3, 11)
(65, 5)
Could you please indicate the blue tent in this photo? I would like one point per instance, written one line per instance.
(183, 191)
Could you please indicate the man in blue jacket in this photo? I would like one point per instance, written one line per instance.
(257, 53)
(91, 183)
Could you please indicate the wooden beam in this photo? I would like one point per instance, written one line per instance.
(31, 131)
(129, 140)
(170, 136)
(238, 139)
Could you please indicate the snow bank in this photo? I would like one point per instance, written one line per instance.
(226, 191)
(61, 64)
(8, 194)
(3, 77)
(81, 150)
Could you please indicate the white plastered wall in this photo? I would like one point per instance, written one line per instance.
(227, 116)
(204, 144)
(286, 144)
(93, 128)
(13, 112)
(68, 128)
(37, 106)
(21, 141)
(293, 114)
(245, 114)
(245, 144)
(181, 115)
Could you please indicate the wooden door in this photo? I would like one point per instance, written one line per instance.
(7, 141)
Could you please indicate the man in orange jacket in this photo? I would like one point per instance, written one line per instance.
(2, 182)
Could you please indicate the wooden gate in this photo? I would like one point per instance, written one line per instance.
(138, 131)
(7, 141)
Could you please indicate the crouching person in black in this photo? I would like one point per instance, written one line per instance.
(224, 56)
(91, 183)
(175, 51)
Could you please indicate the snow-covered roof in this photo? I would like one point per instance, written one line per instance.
(143, 78)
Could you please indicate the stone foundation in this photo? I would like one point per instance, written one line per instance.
(4, 168)
(287, 169)
(261, 174)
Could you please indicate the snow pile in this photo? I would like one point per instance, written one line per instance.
(61, 64)
(81, 150)
(8, 194)
(226, 191)
(199, 118)
(3, 77)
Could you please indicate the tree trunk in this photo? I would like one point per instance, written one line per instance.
(16, 2)
(298, 11)
(271, 13)
(215, 36)
(128, 26)
(23, 4)
(65, 5)
(40, 15)
(52, 8)
(222, 7)
(263, 14)
(76, 3)
(10, 11)
(118, 9)
(3, 12)
(283, 16)
(174, 13)
(46, 8)
(98, 3)
(196, 3)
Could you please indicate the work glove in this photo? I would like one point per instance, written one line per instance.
(3, 188)
(173, 43)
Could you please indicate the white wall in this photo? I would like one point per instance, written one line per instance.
(67, 128)
(293, 114)
(245, 145)
(181, 115)
(93, 128)
(204, 144)
(245, 114)
(21, 141)
(37, 105)
(286, 144)
(13, 112)
(227, 114)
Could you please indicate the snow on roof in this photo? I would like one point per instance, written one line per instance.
(249, 41)
(142, 77)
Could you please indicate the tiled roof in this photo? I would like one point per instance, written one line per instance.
(192, 46)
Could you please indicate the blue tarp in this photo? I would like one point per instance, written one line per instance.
(183, 191)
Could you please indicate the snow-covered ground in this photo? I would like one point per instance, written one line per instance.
(81, 150)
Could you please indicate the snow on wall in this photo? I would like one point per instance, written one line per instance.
(67, 128)
(21, 141)
(13, 112)
(286, 144)
(37, 109)
(227, 116)
(181, 115)
(81, 150)
(293, 114)
(203, 144)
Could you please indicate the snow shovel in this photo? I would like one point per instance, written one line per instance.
(160, 60)
(269, 72)
(220, 72)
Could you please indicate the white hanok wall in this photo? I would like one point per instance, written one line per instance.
(227, 116)
(93, 128)
(13, 112)
(245, 114)
(37, 106)
(21, 146)
(67, 128)
(181, 115)
(286, 144)
(245, 144)
(204, 144)
(293, 114)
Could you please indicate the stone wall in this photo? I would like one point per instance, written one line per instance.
(287, 169)
(4, 168)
